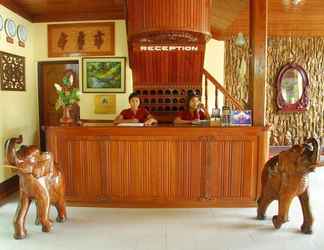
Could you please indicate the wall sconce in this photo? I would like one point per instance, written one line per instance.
(240, 40)
(291, 2)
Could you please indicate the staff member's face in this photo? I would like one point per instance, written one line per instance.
(134, 103)
(194, 103)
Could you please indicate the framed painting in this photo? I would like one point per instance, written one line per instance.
(103, 75)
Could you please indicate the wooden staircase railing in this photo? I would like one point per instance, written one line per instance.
(219, 87)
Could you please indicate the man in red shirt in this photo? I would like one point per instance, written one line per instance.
(135, 113)
(195, 111)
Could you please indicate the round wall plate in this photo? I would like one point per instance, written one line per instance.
(1, 23)
(22, 33)
(10, 27)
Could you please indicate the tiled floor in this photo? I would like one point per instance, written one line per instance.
(170, 229)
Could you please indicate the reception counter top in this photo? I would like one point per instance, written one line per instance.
(160, 166)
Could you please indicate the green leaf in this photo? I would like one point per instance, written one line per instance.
(66, 81)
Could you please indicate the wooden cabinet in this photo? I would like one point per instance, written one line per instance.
(158, 167)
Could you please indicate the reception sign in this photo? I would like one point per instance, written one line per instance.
(168, 48)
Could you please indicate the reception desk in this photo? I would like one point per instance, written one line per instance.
(162, 166)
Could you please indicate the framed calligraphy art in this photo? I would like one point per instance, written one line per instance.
(81, 39)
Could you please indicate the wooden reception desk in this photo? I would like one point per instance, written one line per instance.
(162, 166)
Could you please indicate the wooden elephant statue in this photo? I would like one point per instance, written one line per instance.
(39, 180)
(284, 177)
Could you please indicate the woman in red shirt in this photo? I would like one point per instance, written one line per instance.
(135, 113)
(195, 111)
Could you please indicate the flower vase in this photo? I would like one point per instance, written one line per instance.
(66, 118)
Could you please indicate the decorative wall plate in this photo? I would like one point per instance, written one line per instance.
(1, 22)
(22, 33)
(10, 27)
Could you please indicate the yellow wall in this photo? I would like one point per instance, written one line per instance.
(18, 110)
(87, 100)
(214, 64)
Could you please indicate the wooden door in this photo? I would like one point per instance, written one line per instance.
(48, 74)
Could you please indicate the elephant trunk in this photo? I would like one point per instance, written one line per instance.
(10, 150)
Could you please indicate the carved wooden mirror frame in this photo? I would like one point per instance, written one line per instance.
(302, 103)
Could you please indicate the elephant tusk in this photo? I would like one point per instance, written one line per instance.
(16, 168)
(10, 166)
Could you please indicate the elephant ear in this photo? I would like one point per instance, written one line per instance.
(272, 165)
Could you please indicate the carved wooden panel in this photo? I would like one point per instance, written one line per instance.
(85, 167)
(287, 128)
(86, 39)
(12, 72)
(232, 169)
(174, 173)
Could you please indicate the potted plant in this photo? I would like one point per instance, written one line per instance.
(67, 96)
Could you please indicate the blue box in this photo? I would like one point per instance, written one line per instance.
(241, 118)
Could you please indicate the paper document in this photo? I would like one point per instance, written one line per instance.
(130, 124)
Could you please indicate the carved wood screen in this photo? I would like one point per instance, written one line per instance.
(12, 72)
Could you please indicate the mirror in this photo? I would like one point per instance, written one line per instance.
(292, 86)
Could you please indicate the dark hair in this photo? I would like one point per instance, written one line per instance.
(189, 97)
(134, 95)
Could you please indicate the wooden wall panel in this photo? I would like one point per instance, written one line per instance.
(167, 15)
(164, 166)
(169, 69)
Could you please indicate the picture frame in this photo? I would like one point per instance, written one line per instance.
(241, 117)
(103, 75)
(292, 88)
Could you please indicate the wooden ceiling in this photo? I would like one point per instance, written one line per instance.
(285, 18)
(228, 17)
(67, 10)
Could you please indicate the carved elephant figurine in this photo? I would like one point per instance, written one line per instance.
(39, 180)
(286, 176)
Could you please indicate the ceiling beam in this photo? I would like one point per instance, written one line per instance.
(81, 16)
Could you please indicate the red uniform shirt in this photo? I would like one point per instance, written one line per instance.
(188, 116)
(140, 115)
